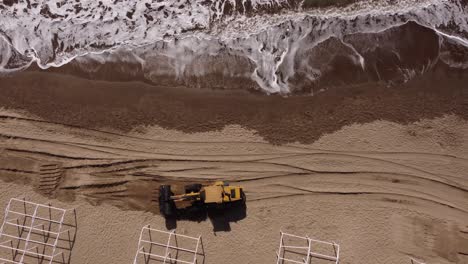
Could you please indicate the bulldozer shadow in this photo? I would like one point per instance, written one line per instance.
(221, 218)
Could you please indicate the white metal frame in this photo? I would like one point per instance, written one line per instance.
(11, 217)
(167, 258)
(415, 261)
(310, 253)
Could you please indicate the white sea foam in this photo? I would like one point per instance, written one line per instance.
(191, 38)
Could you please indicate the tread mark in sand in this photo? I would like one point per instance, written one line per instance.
(50, 178)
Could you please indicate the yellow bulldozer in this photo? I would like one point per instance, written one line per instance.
(218, 195)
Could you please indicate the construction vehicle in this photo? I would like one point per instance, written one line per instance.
(197, 196)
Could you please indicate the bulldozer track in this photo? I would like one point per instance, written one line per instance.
(96, 163)
(50, 176)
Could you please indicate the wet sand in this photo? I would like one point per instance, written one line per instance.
(66, 99)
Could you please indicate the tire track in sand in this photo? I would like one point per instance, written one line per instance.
(99, 164)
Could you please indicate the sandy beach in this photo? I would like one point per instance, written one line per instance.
(345, 121)
(384, 191)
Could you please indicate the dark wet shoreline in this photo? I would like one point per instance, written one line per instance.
(121, 105)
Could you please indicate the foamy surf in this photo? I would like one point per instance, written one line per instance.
(277, 45)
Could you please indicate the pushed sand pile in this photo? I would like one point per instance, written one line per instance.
(383, 191)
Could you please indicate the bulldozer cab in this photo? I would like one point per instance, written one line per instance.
(212, 194)
(221, 192)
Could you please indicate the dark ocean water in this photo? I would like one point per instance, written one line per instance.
(272, 46)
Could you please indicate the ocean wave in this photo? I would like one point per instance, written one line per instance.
(276, 46)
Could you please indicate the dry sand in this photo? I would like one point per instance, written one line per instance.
(383, 191)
